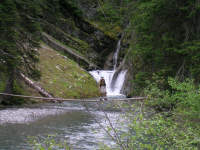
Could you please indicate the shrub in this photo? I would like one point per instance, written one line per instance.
(48, 143)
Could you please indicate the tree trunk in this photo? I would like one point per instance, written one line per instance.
(9, 88)
(35, 86)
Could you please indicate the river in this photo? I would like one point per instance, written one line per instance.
(69, 121)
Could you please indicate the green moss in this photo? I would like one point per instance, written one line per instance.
(69, 21)
(111, 30)
(65, 38)
(62, 77)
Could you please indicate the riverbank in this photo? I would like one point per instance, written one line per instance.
(175, 124)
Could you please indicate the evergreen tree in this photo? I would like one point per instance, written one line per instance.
(19, 39)
(167, 39)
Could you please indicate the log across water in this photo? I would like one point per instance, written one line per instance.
(80, 100)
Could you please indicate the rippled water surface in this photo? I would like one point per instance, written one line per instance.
(69, 121)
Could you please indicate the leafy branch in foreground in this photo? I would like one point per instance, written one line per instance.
(161, 133)
(175, 124)
(48, 143)
(183, 97)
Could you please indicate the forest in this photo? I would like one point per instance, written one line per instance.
(161, 50)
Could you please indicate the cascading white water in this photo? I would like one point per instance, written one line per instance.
(115, 89)
(115, 56)
(112, 88)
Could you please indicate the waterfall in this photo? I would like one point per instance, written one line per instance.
(115, 56)
(112, 88)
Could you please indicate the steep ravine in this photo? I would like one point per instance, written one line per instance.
(77, 41)
(70, 45)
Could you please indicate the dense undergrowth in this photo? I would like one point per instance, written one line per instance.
(174, 125)
(166, 42)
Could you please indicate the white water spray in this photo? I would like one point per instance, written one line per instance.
(115, 56)
(112, 88)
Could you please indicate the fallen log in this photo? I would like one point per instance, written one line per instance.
(35, 86)
(96, 99)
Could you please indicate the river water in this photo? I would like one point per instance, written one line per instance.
(69, 121)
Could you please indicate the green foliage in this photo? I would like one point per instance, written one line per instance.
(16, 89)
(175, 126)
(48, 143)
(166, 38)
(161, 133)
(3, 78)
(113, 16)
(36, 74)
(19, 34)
(8, 20)
(19, 39)
(181, 100)
(71, 7)
(139, 81)
(184, 96)
(114, 12)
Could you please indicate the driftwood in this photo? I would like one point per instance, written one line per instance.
(35, 86)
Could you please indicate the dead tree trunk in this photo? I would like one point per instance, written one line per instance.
(35, 86)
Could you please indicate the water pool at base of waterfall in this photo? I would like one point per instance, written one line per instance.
(68, 121)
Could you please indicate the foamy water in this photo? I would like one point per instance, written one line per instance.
(112, 90)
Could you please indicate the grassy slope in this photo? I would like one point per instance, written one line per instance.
(62, 77)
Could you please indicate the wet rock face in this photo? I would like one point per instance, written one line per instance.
(81, 35)
(128, 85)
(108, 65)
(98, 40)
(88, 7)
(101, 43)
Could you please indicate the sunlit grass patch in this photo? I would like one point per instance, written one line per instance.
(63, 77)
